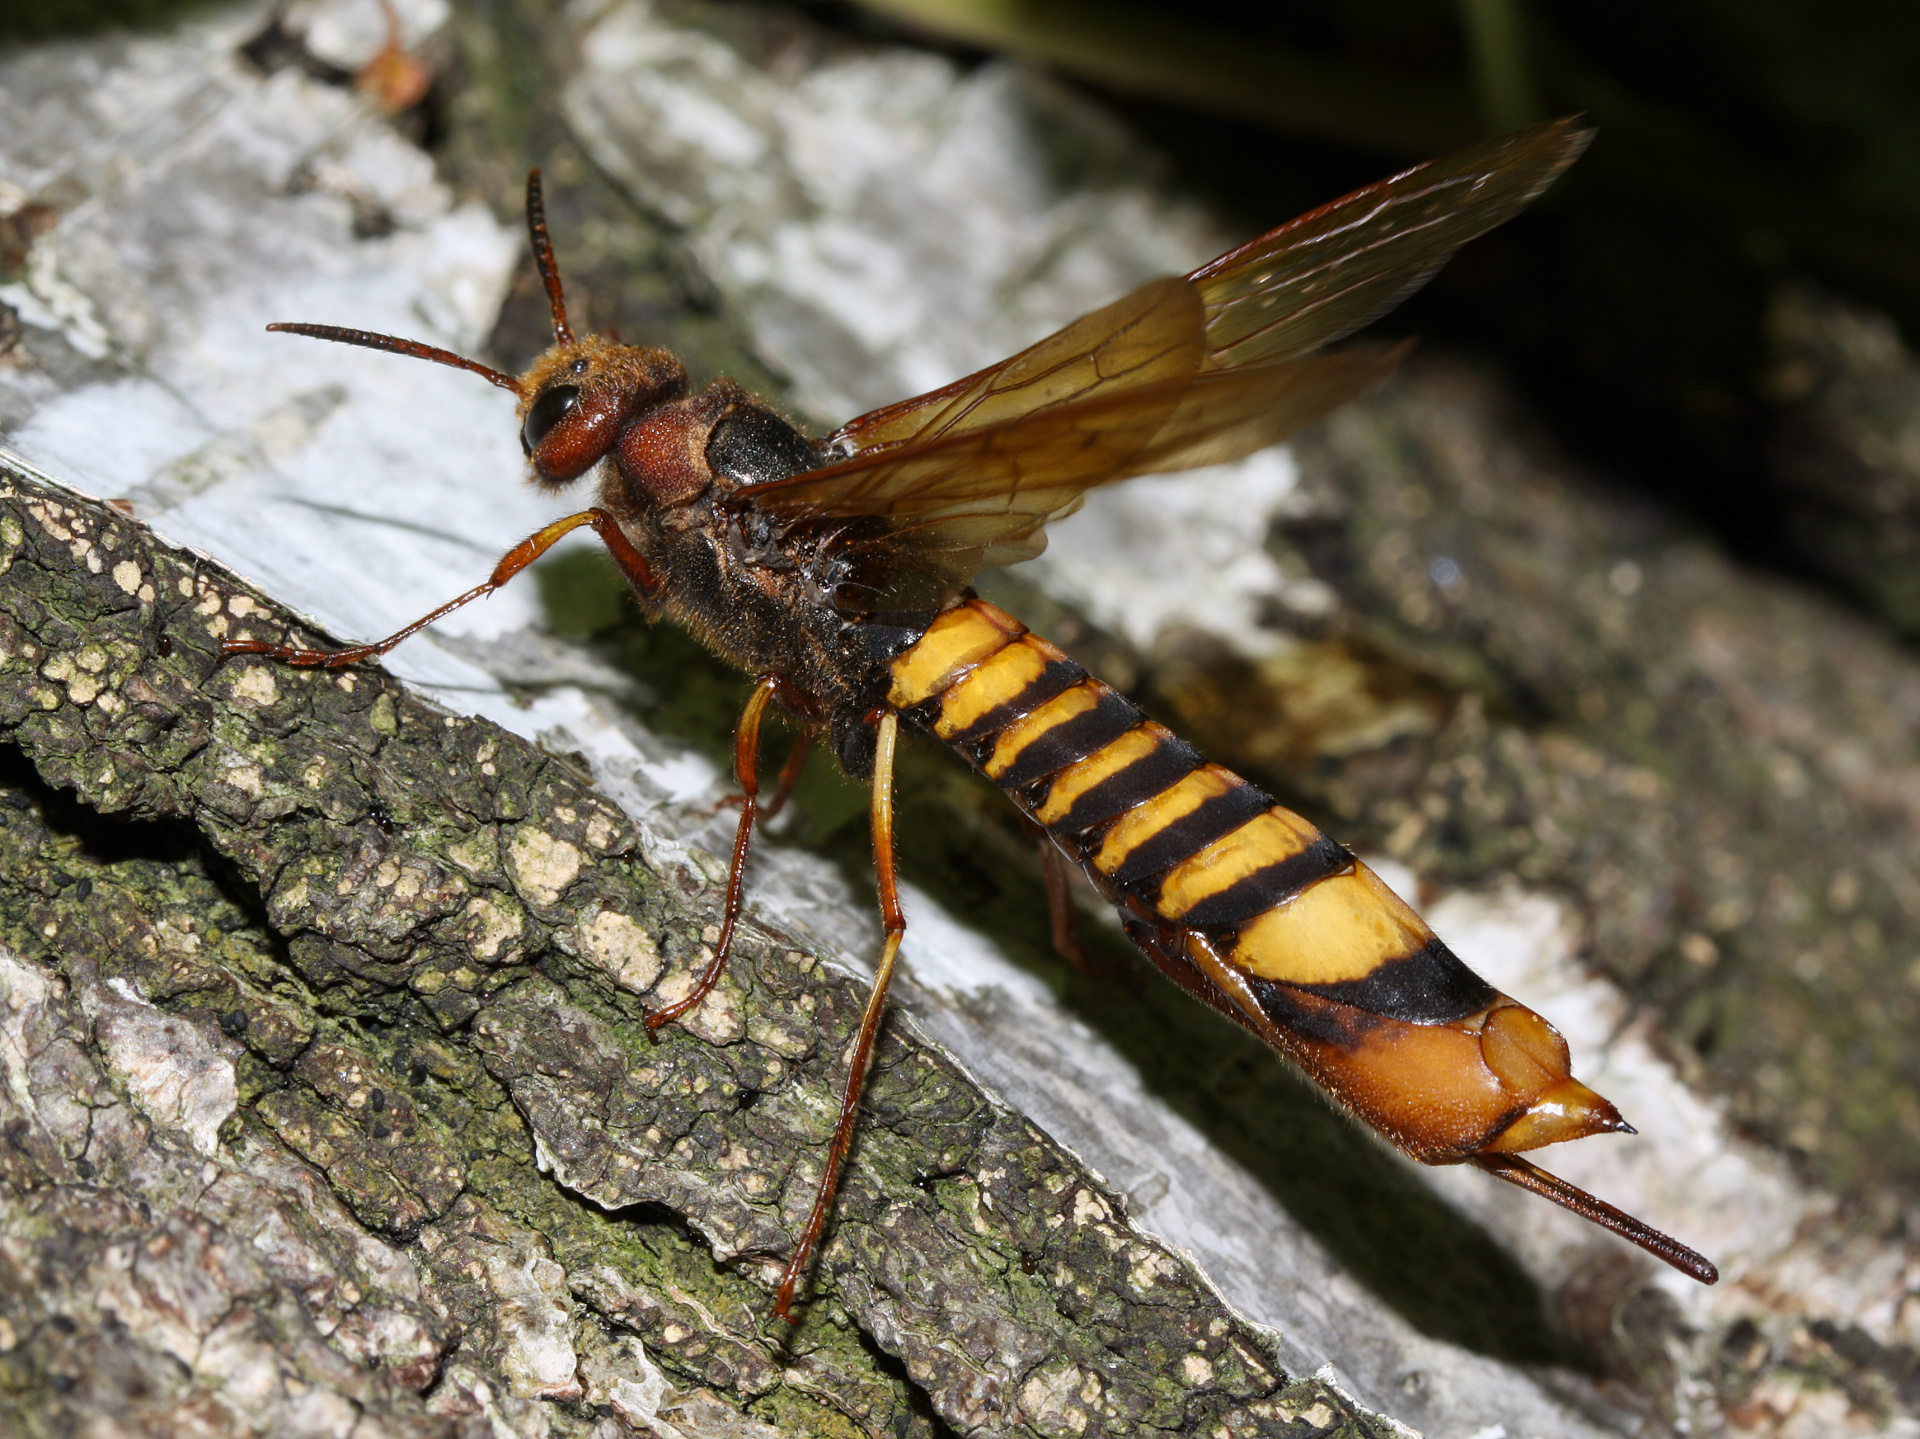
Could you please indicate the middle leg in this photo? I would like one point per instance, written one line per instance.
(860, 1055)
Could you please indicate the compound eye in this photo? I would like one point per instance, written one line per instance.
(549, 410)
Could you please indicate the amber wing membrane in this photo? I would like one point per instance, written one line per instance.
(1154, 333)
(1042, 463)
(1183, 372)
(1045, 459)
(1319, 278)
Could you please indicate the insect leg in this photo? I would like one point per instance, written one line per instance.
(631, 562)
(746, 768)
(1053, 873)
(789, 773)
(795, 761)
(860, 1056)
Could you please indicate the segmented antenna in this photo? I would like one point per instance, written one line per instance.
(543, 257)
(394, 345)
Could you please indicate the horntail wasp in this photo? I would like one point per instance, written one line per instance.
(837, 573)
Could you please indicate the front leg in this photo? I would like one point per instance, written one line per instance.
(746, 768)
(632, 564)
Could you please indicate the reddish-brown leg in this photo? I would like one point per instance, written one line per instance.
(746, 769)
(796, 761)
(789, 774)
(860, 1056)
(631, 562)
(1066, 939)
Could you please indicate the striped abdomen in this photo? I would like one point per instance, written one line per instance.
(1245, 903)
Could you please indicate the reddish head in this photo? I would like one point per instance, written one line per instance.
(576, 399)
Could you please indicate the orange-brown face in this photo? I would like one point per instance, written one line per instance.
(578, 397)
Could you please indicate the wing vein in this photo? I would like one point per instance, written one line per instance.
(1185, 371)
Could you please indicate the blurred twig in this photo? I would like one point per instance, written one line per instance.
(1153, 53)
(1497, 38)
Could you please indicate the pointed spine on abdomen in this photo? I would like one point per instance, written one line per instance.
(1241, 899)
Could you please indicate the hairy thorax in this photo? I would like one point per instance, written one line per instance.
(763, 599)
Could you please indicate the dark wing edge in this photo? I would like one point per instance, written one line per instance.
(1318, 278)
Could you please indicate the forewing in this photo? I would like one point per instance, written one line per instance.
(1154, 333)
(1310, 282)
(1002, 482)
(1183, 372)
(1321, 277)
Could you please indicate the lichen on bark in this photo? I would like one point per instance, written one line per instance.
(406, 1150)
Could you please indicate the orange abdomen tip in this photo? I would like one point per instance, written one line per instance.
(1534, 1068)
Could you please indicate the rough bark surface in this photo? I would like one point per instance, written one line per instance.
(1845, 454)
(325, 1017)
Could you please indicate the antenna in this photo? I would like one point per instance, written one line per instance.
(543, 257)
(394, 345)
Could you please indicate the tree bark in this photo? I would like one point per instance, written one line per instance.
(326, 1013)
